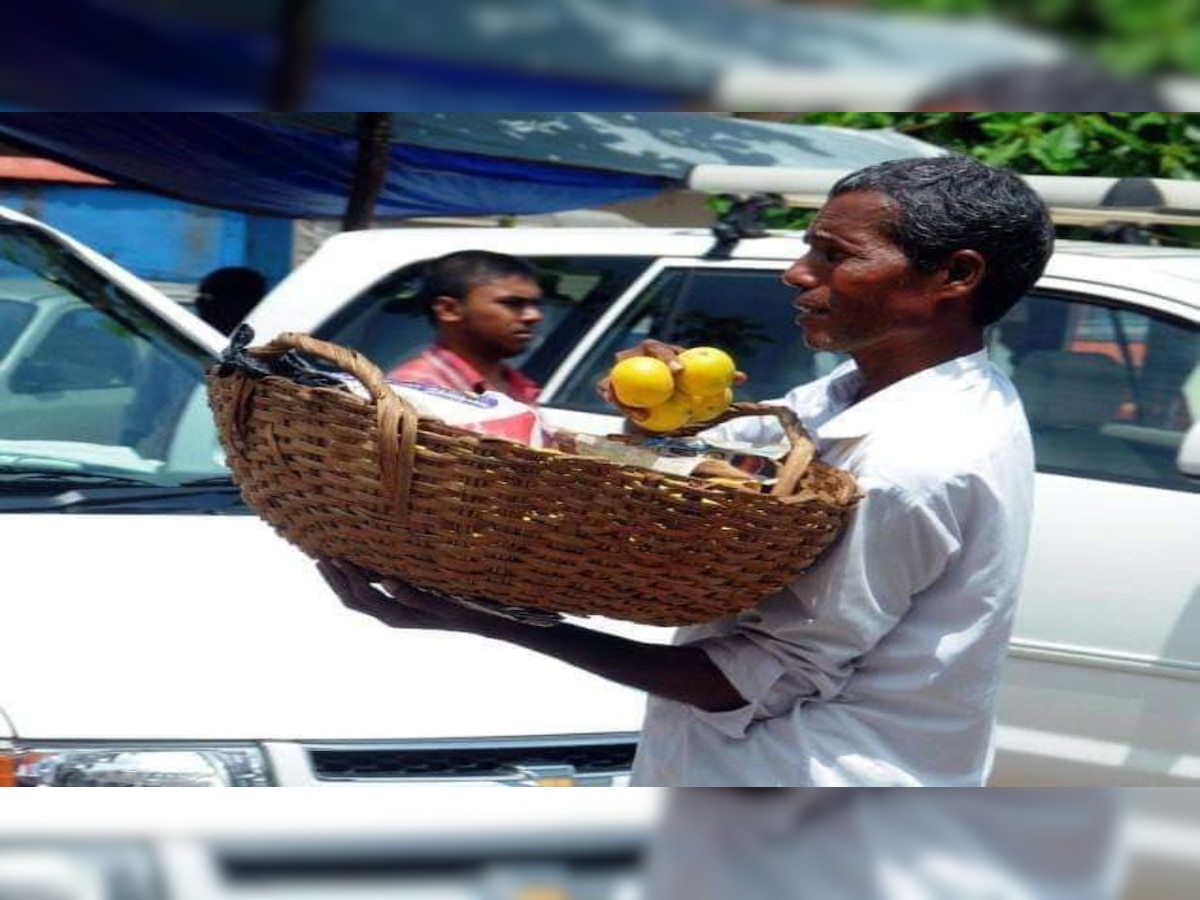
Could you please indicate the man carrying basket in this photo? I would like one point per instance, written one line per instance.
(880, 665)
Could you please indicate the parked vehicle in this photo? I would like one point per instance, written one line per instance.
(212, 654)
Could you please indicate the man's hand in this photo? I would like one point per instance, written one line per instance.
(397, 604)
(685, 674)
(668, 353)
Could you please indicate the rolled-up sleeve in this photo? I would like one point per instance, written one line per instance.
(803, 643)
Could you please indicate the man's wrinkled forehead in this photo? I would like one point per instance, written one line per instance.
(856, 215)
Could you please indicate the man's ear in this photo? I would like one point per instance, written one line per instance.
(447, 309)
(964, 271)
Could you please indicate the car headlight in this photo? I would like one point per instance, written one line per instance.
(112, 765)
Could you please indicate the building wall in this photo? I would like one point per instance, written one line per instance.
(157, 238)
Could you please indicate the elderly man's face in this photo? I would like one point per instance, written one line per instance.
(859, 292)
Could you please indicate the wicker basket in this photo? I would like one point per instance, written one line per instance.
(473, 516)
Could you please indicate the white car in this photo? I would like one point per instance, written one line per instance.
(1104, 668)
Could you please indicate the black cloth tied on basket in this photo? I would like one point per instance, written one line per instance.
(288, 365)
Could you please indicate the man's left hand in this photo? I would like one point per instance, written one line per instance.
(397, 604)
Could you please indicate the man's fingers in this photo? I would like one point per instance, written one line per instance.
(352, 586)
(604, 389)
(393, 602)
(333, 576)
(415, 599)
(401, 591)
(668, 353)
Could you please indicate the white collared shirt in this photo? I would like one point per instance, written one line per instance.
(878, 667)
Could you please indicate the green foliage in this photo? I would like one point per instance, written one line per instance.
(1116, 144)
(1133, 36)
(1150, 144)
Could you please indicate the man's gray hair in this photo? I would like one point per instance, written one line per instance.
(950, 203)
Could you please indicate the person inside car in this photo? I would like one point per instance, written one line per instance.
(226, 296)
(880, 665)
(486, 308)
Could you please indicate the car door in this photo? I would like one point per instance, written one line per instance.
(1104, 672)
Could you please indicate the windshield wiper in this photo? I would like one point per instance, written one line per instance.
(211, 481)
(60, 477)
(59, 491)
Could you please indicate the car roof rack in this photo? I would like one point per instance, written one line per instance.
(745, 217)
(1072, 199)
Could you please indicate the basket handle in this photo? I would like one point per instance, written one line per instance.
(396, 417)
(799, 457)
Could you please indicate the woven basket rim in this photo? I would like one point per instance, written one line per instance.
(639, 472)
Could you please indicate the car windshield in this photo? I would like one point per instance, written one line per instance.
(93, 387)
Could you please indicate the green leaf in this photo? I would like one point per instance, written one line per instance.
(1064, 142)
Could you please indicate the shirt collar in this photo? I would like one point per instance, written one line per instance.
(521, 387)
(857, 419)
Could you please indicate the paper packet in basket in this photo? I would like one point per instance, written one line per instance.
(751, 466)
(491, 413)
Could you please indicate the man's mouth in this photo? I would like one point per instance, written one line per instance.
(808, 310)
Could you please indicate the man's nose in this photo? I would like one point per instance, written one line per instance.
(800, 275)
(531, 313)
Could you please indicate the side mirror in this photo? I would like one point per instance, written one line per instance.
(1189, 452)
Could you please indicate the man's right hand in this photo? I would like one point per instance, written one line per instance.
(668, 353)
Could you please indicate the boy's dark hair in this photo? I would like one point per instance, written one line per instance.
(225, 296)
(950, 203)
(454, 274)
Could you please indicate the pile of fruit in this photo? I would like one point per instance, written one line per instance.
(660, 400)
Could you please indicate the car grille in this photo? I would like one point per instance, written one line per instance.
(583, 761)
(310, 861)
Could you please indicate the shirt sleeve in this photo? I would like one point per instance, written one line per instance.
(803, 643)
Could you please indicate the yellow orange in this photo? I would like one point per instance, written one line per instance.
(667, 416)
(642, 381)
(712, 405)
(706, 370)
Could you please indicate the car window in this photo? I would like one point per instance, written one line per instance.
(82, 350)
(387, 325)
(746, 312)
(97, 384)
(1109, 391)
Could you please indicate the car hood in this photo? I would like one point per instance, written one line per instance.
(212, 627)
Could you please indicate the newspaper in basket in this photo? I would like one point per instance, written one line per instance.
(482, 518)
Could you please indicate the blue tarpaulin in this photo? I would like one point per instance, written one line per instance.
(472, 54)
(301, 165)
